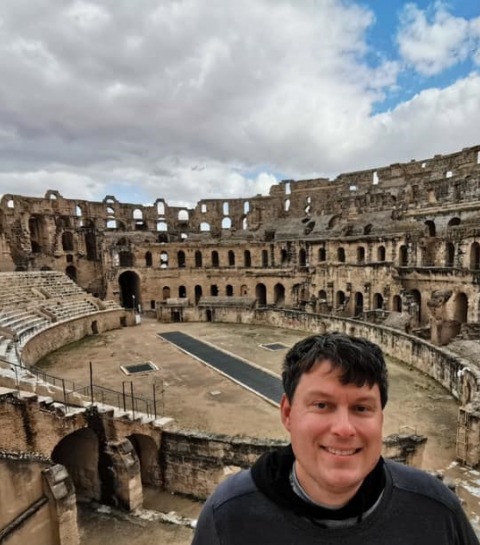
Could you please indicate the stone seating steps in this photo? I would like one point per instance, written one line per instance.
(65, 310)
(111, 305)
(17, 319)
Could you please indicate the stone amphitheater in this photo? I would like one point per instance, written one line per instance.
(392, 254)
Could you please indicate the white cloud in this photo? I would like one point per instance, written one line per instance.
(432, 44)
(184, 99)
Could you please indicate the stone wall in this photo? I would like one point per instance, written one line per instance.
(37, 502)
(64, 333)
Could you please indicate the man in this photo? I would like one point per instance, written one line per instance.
(331, 485)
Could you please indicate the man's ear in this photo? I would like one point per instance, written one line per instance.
(285, 409)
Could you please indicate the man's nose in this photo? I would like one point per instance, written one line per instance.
(342, 423)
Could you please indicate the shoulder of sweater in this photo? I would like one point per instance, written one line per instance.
(419, 482)
(233, 487)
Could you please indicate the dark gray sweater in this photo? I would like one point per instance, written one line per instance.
(415, 509)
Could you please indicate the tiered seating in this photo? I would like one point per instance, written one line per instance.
(68, 309)
(32, 301)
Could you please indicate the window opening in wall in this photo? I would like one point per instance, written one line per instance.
(214, 290)
(152, 304)
(229, 290)
(198, 258)
(181, 258)
(110, 211)
(247, 258)
(264, 258)
(78, 211)
(225, 209)
(322, 254)
(111, 224)
(163, 260)
(231, 258)
(246, 207)
(52, 197)
(226, 223)
(183, 215)
(69, 258)
(198, 293)
(148, 259)
(287, 188)
(215, 259)
(448, 174)
(353, 187)
(166, 293)
(287, 205)
(381, 253)
(182, 291)
(162, 226)
(67, 241)
(341, 255)
(375, 178)
(137, 214)
(424, 165)
(245, 224)
(183, 236)
(203, 208)
(160, 208)
(204, 226)
(10, 204)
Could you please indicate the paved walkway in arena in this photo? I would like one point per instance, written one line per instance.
(247, 375)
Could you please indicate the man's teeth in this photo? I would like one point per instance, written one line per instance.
(339, 452)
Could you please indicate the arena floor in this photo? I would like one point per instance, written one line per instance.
(198, 397)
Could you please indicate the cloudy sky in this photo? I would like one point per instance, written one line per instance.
(191, 99)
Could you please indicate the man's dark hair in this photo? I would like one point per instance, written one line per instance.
(359, 360)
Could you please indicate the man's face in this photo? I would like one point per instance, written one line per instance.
(336, 433)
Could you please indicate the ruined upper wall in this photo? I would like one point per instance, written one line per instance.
(396, 189)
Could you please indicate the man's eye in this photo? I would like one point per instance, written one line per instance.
(361, 409)
(320, 405)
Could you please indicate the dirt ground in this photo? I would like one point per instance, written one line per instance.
(198, 397)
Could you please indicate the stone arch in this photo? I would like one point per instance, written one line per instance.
(148, 259)
(198, 293)
(475, 256)
(430, 229)
(129, 283)
(165, 293)
(204, 227)
(226, 223)
(453, 222)
(181, 259)
(302, 257)
(147, 454)
(358, 303)
(340, 299)
(215, 259)
(198, 258)
(460, 308)
(182, 292)
(449, 254)
(162, 226)
(381, 253)
(183, 215)
(229, 290)
(247, 258)
(264, 258)
(71, 272)
(360, 254)
(214, 290)
(279, 294)
(397, 303)
(231, 258)
(378, 301)
(261, 294)
(164, 260)
(79, 453)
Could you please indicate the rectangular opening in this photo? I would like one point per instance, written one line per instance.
(144, 367)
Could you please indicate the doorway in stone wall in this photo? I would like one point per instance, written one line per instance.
(129, 283)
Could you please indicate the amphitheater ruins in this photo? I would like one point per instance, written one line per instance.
(392, 254)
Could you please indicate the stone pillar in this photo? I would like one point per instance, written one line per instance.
(59, 489)
(468, 436)
(127, 480)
